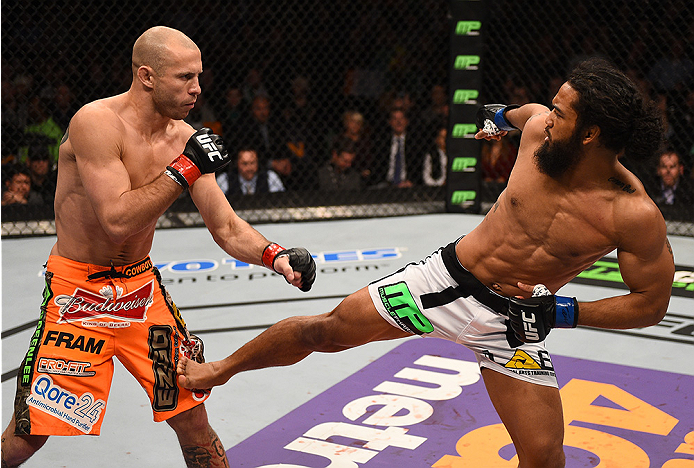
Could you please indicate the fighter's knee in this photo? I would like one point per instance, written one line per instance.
(543, 453)
(194, 419)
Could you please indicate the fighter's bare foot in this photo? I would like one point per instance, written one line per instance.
(193, 375)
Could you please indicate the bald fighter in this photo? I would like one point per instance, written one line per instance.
(122, 163)
(569, 201)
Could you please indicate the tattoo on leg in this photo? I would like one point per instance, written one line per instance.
(207, 455)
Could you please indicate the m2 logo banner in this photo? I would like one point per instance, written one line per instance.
(424, 404)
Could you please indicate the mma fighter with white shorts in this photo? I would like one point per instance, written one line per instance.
(123, 161)
(569, 201)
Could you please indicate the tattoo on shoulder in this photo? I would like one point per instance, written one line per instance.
(537, 115)
(67, 131)
(669, 248)
(625, 187)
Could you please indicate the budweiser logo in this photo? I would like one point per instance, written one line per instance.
(83, 304)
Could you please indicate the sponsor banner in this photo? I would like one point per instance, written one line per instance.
(424, 404)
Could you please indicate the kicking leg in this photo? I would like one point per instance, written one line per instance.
(200, 444)
(18, 449)
(533, 417)
(355, 321)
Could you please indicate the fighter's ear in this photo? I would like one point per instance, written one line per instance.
(146, 76)
(591, 134)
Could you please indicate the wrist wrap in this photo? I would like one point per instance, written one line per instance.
(500, 120)
(566, 312)
(183, 171)
(269, 254)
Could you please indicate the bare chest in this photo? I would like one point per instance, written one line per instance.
(145, 160)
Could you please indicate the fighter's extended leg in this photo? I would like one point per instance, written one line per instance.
(533, 417)
(355, 321)
(18, 449)
(200, 444)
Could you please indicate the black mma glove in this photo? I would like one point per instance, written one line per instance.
(299, 259)
(533, 318)
(491, 118)
(205, 152)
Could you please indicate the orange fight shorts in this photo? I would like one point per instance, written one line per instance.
(90, 314)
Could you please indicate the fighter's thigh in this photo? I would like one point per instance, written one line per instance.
(355, 321)
(532, 413)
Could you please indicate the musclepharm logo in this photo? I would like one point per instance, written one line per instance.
(466, 62)
(464, 198)
(81, 412)
(464, 164)
(465, 96)
(464, 130)
(468, 28)
(212, 150)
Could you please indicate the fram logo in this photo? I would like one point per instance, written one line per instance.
(83, 304)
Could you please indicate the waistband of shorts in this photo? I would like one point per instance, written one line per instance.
(468, 281)
(62, 265)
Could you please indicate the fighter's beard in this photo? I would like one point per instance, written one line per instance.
(557, 158)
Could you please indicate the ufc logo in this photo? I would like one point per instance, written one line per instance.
(212, 150)
(530, 331)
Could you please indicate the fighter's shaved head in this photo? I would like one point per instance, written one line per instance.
(154, 45)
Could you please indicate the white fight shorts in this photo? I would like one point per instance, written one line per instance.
(439, 298)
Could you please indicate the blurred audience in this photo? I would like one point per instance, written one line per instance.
(397, 155)
(669, 189)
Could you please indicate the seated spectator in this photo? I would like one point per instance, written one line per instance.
(436, 161)
(670, 190)
(18, 187)
(232, 117)
(43, 177)
(247, 178)
(338, 174)
(262, 131)
(354, 130)
(397, 157)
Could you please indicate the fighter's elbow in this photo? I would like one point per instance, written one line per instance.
(654, 314)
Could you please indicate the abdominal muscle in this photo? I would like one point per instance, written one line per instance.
(503, 251)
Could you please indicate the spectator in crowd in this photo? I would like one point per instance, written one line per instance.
(436, 160)
(64, 105)
(398, 161)
(43, 177)
(253, 85)
(436, 114)
(231, 116)
(262, 131)
(670, 190)
(247, 177)
(41, 124)
(355, 130)
(338, 174)
(298, 124)
(18, 187)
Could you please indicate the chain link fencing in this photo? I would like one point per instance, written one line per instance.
(316, 89)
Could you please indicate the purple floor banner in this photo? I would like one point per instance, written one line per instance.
(424, 404)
